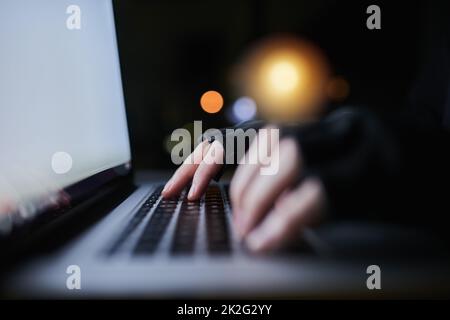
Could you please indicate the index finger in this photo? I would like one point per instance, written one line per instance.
(185, 172)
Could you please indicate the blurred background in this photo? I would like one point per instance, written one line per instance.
(261, 59)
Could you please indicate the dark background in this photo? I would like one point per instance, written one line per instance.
(174, 50)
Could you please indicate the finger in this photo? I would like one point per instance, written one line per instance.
(241, 179)
(301, 208)
(248, 168)
(185, 172)
(207, 169)
(265, 189)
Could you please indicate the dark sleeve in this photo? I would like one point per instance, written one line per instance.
(379, 167)
(396, 166)
(376, 167)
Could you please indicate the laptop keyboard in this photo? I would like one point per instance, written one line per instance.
(186, 226)
(216, 230)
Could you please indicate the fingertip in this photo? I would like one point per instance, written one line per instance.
(166, 195)
(170, 190)
(166, 190)
(246, 222)
(167, 186)
(192, 195)
(255, 242)
(240, 223)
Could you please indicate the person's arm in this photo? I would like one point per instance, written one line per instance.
(386, 167)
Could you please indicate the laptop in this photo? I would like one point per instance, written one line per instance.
(74, 222)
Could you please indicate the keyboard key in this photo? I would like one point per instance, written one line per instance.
(186, 229)
(216, 223)
(136, 220)
(155, 228)
(184, 238)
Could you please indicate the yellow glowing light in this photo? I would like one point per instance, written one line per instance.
(283, 77)
(287, 77)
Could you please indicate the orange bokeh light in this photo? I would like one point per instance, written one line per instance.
(211, 101)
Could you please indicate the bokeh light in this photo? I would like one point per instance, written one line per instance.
(338, 89)
(283, 77)
(287, 77)
(211, 101)
(244, 109)
(61, 162)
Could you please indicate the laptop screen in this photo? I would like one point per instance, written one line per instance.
(62, 115)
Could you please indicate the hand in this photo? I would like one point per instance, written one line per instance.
(6, 207)
(269, 211)
(200, 167)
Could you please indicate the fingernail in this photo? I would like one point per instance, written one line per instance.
(167, 186)
(192, 191)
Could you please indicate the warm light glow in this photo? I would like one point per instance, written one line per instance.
(211, 101)
(283, 77)
(286, 77)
